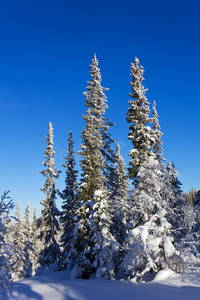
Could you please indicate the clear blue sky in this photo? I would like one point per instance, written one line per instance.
(45, 51)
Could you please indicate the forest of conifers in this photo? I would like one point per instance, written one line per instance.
(115, 222)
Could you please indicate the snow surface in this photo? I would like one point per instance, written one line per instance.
(58, 286)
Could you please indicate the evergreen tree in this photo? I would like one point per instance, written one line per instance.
(49, 224)
(94, 248)
(140, 133)
(18, 257)
(93, 162)
(176, 182)
(119, 198)
(181, 216)
(28, 242)
(102, 248)
(172, 186)
(70, 203)
(36, 242)
(122, 183)
(5, 248)
(157, 147)
(92, 238)
(150, 244)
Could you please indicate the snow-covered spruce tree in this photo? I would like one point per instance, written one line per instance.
(36, 242)
(18, 257)
(122, 183)
(93, 247)
(97, 254)
(140, 134)
(5, 248)
(70, 204)
(120, 198)
(49, 223)
(28, 241)
(150, 243)
(157, 147)
(172, 192)
(182, 216)
(93, 162)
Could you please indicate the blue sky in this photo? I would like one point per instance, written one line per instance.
(45, 51)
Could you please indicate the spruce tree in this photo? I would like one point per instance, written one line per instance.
(28, 242)
(140, 133)
(119, 198)
(150, 242)
(70, 204)
(92, 243)
(94, 249)
(49, 224)
(36, 242)
(6, 204)
(122, 183)
(18, 257)
(172, 186)
(93, 162)
(102, 248)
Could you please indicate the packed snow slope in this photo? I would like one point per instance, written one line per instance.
(58, 286)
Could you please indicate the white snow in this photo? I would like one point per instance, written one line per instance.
(98, 193)
(167, 285)
(168, 248)
(165, 274)
(142, 230)
(132, 151)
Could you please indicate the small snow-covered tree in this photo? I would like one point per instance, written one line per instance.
(36, 242)
(119, 198)
(49, 223)
(176, 183)
(70, 203)
(18, 257)
(171, 191)
(96, 255)
(122, 183)
(28, 242)
(103, 247)
(140, 133)
(182, 216)
(6, 204)
(93, 162)
(150, 244)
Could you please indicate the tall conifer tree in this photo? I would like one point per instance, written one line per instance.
(91, 246)
(49, 223)
(70, 204)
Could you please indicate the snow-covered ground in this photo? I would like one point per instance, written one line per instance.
(58, 286)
